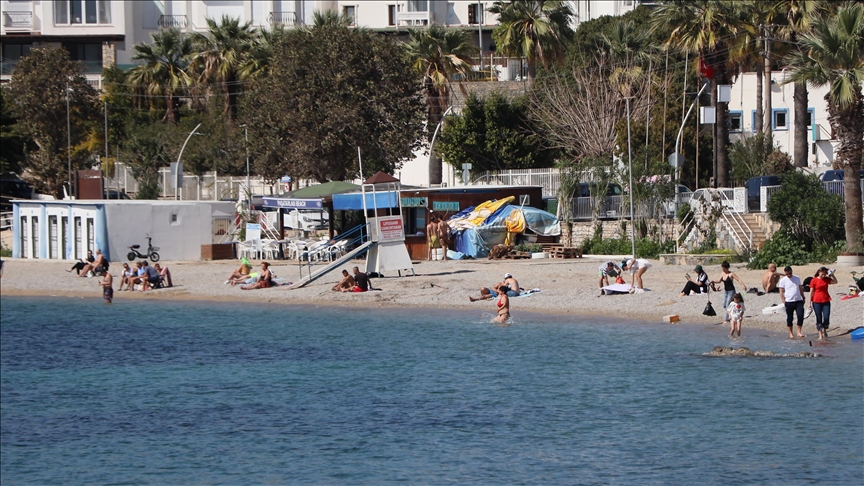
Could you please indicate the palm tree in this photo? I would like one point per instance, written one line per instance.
(221, 52)
(330, 18)
(257, 61)
(706, 28)
(831, 55)
(795, 17)
(533, 29)
(164, 71)
(437, 53)
(746, 53)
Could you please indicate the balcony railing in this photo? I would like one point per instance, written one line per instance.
(18, 21)
(282, 18)
(173, 21)
(414, 19)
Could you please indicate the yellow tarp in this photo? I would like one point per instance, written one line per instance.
(484, 210)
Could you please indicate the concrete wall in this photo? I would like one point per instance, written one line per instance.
(177, 228)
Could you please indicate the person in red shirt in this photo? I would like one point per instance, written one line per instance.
(820, 300)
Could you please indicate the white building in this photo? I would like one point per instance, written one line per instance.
(742, 117)
(65, 230)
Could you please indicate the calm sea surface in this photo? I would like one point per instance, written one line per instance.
(213, 393)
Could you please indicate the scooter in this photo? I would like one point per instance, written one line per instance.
(151, 251)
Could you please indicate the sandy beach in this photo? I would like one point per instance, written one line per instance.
(568, 286)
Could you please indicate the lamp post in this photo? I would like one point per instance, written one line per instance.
(68, 140)
(435, 134)
(248, 184)
(630, 164)
(179, 156)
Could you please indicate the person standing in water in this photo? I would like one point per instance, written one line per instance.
(820, 299)
(107, 285)
(503, 304)
(728, 279)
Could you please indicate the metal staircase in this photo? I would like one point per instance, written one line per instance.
(333, 265)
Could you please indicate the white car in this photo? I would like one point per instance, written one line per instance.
(306, 220)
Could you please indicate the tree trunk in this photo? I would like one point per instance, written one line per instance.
(848, 125)
(722, 144)
(769, 115)
(171, 114)
(801, 142)
(434, 114)
(231, 88)
(760, 109)
(532, 70)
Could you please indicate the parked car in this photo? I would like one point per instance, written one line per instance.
(836, 175)
(585, 189)
(112, 194)
(753, 186)
(306, 220)
(11, 187)
(684, 194)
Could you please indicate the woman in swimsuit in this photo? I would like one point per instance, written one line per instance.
(264, 279)
(503, 305)
(728, 279)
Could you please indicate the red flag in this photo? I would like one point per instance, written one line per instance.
(705, 69)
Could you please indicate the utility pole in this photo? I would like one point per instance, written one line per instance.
(480, 31)
(68, 140)
(768, 116)
(106, 145)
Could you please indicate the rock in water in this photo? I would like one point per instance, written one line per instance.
(747, 353)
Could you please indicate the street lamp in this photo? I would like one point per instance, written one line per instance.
(435, 134)
(68, 139)
(630, 164)
(179, 156)
(248, 184)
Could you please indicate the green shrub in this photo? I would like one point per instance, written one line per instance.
(645, 247)
(529, 247)
(782, 250)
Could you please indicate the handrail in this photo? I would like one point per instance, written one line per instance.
(737, 221)
(6, 220)
(352, 241)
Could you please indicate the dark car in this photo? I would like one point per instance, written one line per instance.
(586, 188)
(753, 186)
(112, 194)
(836, 175)
(13, 188)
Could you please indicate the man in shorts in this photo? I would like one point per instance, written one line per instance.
(607, 270)
(361, 281)
(107, 285)
(770, 279)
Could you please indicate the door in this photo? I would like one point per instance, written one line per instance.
(52, 238)
(34, 232)
(78, 251)
(64, 234)
(91, 235)
(25, 238)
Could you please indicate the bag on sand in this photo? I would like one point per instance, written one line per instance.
(619, 280)
(709, 310)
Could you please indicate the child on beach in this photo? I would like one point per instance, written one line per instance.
(736, 314)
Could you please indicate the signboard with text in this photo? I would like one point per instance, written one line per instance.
(278, 202)
(390, 229)
(445, 206)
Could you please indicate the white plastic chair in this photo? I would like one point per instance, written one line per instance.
(249, 249)
(270, 249)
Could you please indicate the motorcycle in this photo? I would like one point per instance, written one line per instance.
(151, 251)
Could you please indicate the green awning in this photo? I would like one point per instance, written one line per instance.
(326, 189)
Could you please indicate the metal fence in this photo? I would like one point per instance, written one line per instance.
(549, 179)
(618, 207)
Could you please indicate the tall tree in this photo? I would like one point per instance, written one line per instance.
(537, 30)
(221, 52)
(437, 54)
(795, 17)
(494, 133)
(164, 72)
(260, 56)
(831, 55)
(331, 91)
(39, 100)
(706, 28)
(12, 143)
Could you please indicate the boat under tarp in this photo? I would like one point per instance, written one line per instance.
(475, 236)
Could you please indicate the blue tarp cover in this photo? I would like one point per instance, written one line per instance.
(354, 200)
(477, 241)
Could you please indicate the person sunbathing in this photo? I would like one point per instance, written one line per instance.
(97, 266)
(346, 284)
(125, 277)
(265, 279)
(242, 272)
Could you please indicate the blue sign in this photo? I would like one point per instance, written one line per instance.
(445, 206)
(287, 180)
(279, 202)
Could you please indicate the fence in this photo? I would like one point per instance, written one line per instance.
(831, 187)
(611, 207)
(549, 179)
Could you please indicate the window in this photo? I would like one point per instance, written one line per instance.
(811, 118)
(391, 14)
(780, 119)
(350, 11)
(753, 121)
(475, 13)
(736, 121)
(418, 5)
(88, 53)
(524, 200)
(82, 12)
(12, 53)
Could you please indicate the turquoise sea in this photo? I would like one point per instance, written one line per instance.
(233, 393)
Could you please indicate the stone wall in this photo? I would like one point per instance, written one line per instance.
(612, 229)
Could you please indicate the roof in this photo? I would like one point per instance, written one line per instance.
(326, 189)
(381, 178)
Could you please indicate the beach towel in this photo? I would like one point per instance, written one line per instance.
(618, 289)
(526, 293)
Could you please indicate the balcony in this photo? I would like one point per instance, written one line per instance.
(18, 21)
(173, 21)
(282, 18)
(414, 19)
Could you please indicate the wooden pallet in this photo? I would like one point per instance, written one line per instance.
(565, 252)
(516, 255)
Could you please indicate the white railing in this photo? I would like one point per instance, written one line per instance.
(5, 220)
(831, 187)
(739, 229)
(549, 179)
(18, 21)
(414, 19)
(282, 18)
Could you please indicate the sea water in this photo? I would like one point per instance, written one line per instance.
(235, 393)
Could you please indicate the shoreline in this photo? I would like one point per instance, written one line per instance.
(568, 288)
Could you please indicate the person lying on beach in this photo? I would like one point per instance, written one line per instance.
(503, 305)
(165, 274)
(346, 284)
(242, 272)
(81, 263)
(265, 279)
(510, 286)
(107, 288)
